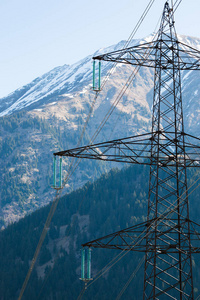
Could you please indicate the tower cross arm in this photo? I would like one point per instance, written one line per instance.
(133, 149)
(133, 238)
(140, 55)
(189, 57)
(144, 55)
(137, 150)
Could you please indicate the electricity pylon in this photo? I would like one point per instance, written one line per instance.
(168, 234)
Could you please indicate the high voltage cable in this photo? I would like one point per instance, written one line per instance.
(68, 232)
(158, 220)
(130, 79)
(116, 259)
(97, 134)
(55, 202)
(184, 192)
(82, 292)
(52, 211)
(176, 6)
(130, 37)
(131, 278)
(119, 97)
(58, 192)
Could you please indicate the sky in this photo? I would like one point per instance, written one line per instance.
(39, 35)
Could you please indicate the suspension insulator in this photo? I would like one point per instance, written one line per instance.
(99, 75)
(89, 264)
(93, 75)
(82, 264)
(54, 171)
(60, 172)
(96, 89)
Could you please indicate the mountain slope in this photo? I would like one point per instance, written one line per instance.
(48, 115)
(115, 201)
(63, 79)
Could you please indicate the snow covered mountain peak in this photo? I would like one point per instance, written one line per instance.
(66, 79)
(61, 80)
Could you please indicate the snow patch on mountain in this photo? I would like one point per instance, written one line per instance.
(63, 80)
(66, 80)
(51, 82)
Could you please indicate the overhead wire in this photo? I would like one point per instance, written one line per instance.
(198, 297)
(137, 26)
(55, 202)
(174, 208)
(131, 278)
(157, 221)
(71, 170)
(176, 5)
(53, 208)
(131, 77)
(82, 292)
(123, 89)
(67, 234)
(181, 195)
(155, 35)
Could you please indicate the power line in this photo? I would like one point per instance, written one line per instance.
(156, 221)
(58, 193)
(131, 278)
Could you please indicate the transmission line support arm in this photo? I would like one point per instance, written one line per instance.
(134, 238)
(144, 55)
(137, 150)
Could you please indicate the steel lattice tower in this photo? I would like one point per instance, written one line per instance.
(168, 269)
(167, 235)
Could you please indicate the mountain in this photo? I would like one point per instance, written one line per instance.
(62, 81)
(48, 115)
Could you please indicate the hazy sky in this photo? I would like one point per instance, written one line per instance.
(38, 35)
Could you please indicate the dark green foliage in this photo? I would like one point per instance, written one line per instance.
(45, 256)
(15, 161)
(53, 232)
(27, 144)
(117, 200)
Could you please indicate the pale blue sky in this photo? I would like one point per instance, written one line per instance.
(39, 35)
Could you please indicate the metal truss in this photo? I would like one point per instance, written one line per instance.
(168, 275)
(137, 150)
(144, 55)
(168, 237)
(134, 237)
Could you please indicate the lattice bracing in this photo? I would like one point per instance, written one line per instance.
(144, 55)
(134, 237)
(137, 150)
(168, 237)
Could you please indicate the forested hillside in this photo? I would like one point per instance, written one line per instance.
(26, 146)
(28, 139)
(48, 115)
(117, 200)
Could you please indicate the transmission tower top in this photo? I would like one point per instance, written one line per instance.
(144, 54)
